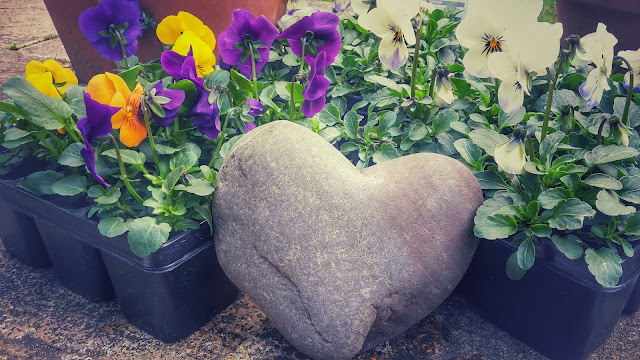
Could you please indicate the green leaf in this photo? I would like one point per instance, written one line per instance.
(352, 124)
(166, 150)
(605, 154)
(71, 156)
(418, 131)
(569, 245)
(45, 111)
(609, 203)
(514, 271)
(487, 139)
(39, 183)
(490, 180)
(110, 196)
(243, 83)
(632, 226)
(549, 145)
(603, 181)
(630, 189)
(184, 159)
(385, 153)
(526, 254)
(496, 227)
(330, 115)
(14, 134)
(604, 263)
(145, 236)
(128, 156)
(569, 214)
(197, 187)
(70, 186)
(218, 77)
(112, 226)
(541, 230)
(469, 151)
(443, 119)
(205, 212)
(548, 199)
(388, 120)
(516, 118)
(11, 109)
(131, 76)
(172, 179)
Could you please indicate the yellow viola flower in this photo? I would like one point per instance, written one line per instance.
(111, 89)
(171, 27)
(44, 84)
(202, 53)
(36, 74)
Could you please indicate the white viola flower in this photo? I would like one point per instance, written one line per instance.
(442, 88)
(392, 23)
(296, 10)
(483, 29)
(599, 49)
(533, 48)
(362, 7)
(342, 5)
(633, 57)
(510, 155)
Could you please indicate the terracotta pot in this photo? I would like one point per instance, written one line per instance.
(581, 17)
(87, 62)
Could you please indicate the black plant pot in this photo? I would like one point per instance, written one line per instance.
(633, 304)
(170, 293)
(557, 308)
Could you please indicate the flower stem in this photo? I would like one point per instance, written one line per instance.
(124, 52)
(147, 116)
(220, 141)
(627, 104)
(601, 129)
(532, 153)
(123, 173)
(547, 112)
(293, 101)
(71, 131)
(416, 56)
(253, 72)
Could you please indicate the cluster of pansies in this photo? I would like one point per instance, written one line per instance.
(548, 127)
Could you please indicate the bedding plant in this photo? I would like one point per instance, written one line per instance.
(548, 125)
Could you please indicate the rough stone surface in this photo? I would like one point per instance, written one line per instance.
(341, 259)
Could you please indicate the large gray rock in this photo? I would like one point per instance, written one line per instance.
(341, 259)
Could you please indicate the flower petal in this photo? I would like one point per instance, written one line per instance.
(132, 131)
(475, 61)
(393, 54)
(510, 95)
(169, 29)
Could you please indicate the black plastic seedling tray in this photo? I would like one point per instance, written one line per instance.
(170, 293)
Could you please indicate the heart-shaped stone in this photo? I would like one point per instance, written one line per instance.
(341, 259)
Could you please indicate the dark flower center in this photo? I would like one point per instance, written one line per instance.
(492, 44)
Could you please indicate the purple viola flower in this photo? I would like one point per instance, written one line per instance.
(181, 67)
(255, 107)
(206, 116)
(96, 124)
(158, 98)
(316, 91)
(319, 32)
(244, 36)
(102, 24)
